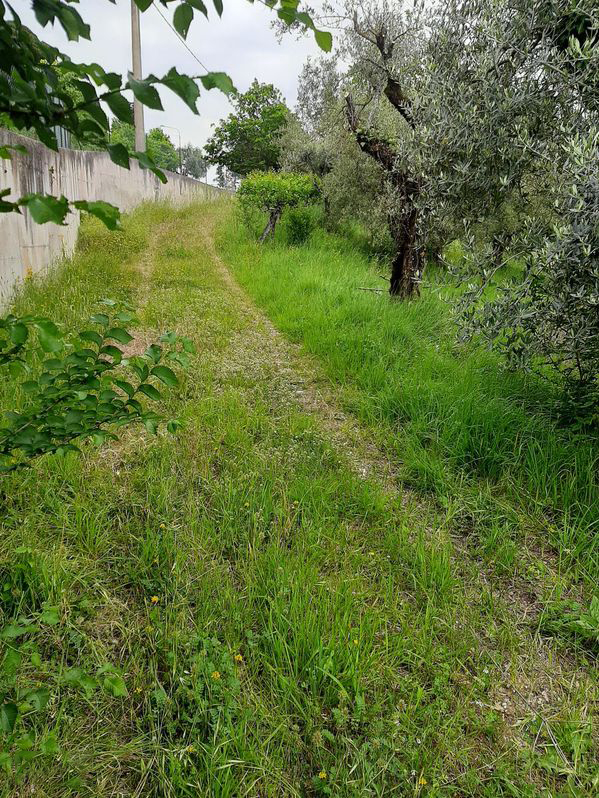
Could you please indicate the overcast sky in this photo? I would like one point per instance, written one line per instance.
(241, 43)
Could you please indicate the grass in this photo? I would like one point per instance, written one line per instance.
(234, 611)
(462, 428)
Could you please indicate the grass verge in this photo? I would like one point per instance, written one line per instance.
(235, 611)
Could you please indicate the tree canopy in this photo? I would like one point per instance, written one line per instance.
(249, 139)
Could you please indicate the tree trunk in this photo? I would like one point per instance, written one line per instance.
(407, 263)
(274, 217)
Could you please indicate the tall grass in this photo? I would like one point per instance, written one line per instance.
(463, 427)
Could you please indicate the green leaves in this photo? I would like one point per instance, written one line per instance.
(149, 391)
(145, 92)
(119, 155)
(50, 337)
(104, 211)
(119, 334)
(45, 208)
(8, 716)
(218, 80)
(182, 19)
(38, 699)
(183, 86)
(165, 375)
(82, 392)
(324, 40)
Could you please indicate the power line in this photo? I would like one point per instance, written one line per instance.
(181, 39)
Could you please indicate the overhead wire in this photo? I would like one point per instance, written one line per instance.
(180, 38)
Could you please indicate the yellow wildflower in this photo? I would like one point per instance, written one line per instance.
(154, 599)
(138, 689)
(356, 641)
(190, 749)
(422, 781)
(238, 658)
(216, 675)
(162, 526)
(322, 775)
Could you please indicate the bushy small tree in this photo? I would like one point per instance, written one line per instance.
(248, 139)
(273, 192)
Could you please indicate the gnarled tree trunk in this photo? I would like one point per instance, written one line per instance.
(406, 266)
(275, 215)
(403, 223)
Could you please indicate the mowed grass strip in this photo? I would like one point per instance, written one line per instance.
(238, 612)
(483, 441)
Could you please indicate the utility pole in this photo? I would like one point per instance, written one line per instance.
(138, 109)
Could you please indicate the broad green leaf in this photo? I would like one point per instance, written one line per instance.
(149, 391)
(46, 208)
(18, 333)
(165, 375)
(126, 387)
(218, 80)
(218, 5)
(119, 334)
(38, 698)
(14, 631)
(144, 160)
(151, 425)
(8, 716)
(49, 745)
(50, 615)
(6, 148)
(104, 211)
(121, 108)
(145, 92)
(119, 155)
(12, 660)
(182, 19)
(49, 336)
(115, 684)
(324, 40)
(199, 6)
(183, 86)
(91, 335)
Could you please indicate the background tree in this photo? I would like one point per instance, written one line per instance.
(162, 150)
(249, 139)
(193, 162)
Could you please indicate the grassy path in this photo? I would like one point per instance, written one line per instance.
(315, 630)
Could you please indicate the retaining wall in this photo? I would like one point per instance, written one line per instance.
(27, 247)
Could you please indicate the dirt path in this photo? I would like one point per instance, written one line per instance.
(300, 379)
(539, 680)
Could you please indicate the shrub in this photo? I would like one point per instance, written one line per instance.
(299, 223)
(273, 192)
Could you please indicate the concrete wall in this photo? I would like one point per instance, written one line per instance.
(27, 247)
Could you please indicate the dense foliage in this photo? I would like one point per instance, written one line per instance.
(159, 147)
(76, 389)
(248, 139)
(273, 192)
(481, 122)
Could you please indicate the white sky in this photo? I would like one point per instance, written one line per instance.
(241, 43)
